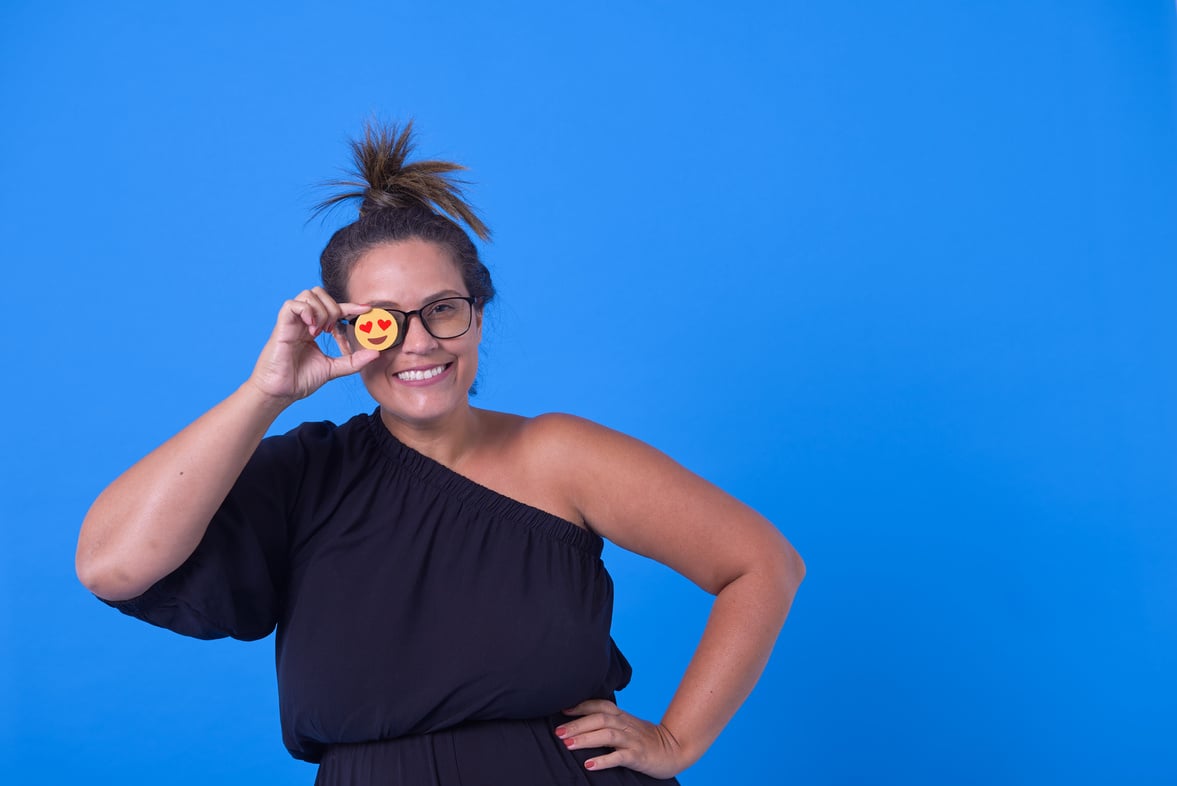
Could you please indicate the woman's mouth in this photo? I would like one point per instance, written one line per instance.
(417, 375)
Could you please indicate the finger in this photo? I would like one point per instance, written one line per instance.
(598, 720)
(321, 311)
(351, 363)
(334, 312)
(303, 311)
(354, 309)
(340, 330)
(317, 300)
(297, 312)
(594, 705)
(599, 738)
(619, 758)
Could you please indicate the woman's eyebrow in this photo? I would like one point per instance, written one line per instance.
(429, 299)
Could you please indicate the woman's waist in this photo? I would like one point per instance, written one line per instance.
(357, 696)
(471, 753)
(504, 752)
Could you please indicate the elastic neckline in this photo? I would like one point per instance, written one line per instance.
(440, 476)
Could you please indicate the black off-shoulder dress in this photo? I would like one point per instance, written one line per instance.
(429, 630)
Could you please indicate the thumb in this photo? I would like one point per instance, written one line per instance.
(349, 364)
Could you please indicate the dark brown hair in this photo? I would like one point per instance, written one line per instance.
(398, 202)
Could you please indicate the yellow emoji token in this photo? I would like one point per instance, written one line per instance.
(376, 329)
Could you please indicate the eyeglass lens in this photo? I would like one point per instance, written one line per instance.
(447, 318)
(385, 328)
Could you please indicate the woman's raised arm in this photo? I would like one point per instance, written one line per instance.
(149, 520)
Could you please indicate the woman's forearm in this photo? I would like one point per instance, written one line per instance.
(148, 521)
(745, 619)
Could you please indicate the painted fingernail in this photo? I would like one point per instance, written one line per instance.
(561, 731)
(588, 765)
(569, 742)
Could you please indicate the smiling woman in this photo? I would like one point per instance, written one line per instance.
(428, 377)
(433, 569)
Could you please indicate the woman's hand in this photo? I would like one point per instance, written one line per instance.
(292, 365)
(151, 519)
(637, 744)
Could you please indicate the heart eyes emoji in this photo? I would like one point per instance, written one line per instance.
(376, 329)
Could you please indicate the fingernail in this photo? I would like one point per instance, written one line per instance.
(588, 765)
(568, 742)
(561, 731)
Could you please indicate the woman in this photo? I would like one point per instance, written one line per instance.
(432, 569)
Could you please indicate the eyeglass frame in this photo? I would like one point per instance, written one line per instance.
(403, 327)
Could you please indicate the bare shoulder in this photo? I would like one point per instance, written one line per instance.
(575, 451)
(533, 459)
(528, 440)
(557, 432)
(554, 425)
(634, 496)
(594, 461)
(586, 465)
(643, 500)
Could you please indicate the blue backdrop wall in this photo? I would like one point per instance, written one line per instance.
(922, 261)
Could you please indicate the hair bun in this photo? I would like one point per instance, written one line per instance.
(384, 181)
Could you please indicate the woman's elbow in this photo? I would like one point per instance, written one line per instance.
(104, 577)
(787, 570)
(94, 577)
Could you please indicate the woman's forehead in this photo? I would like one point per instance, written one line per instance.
(409, 272)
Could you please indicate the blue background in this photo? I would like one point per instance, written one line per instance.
(920, 259)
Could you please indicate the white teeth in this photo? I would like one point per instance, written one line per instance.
(416, 376)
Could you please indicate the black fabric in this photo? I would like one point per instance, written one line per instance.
(408, 601)
(482, 753)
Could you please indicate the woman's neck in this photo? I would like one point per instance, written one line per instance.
(445, 441)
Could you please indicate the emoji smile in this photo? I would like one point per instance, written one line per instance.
(377, 340)
(417, 375)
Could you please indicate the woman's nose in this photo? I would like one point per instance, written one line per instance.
(418, 340)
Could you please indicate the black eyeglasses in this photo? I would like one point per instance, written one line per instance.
(385, 328)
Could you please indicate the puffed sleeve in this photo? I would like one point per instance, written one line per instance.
(234, 583)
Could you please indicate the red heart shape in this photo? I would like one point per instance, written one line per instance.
(366, 327)
(384, 323)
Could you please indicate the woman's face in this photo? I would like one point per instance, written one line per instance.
(424, 379)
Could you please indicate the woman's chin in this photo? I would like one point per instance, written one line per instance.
(422, 407)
